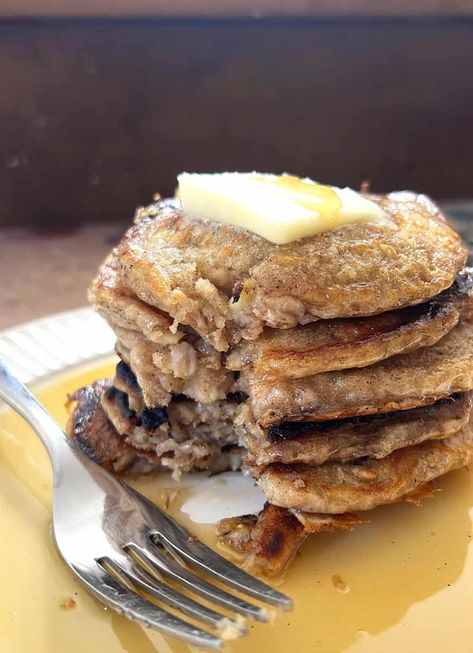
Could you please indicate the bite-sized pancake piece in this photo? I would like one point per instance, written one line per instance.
(119, 307)
(269, 540)
(226, 282)
(91, 428)
(340, 344)
(373, 436)
(344, 487)
(398, 383)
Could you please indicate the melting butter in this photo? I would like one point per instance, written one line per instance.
(280, 208)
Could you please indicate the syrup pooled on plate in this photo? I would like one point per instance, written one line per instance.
(409, 571)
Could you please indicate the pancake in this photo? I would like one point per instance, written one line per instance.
(228, 283)
(183, 419)
(398, 383)
(373, 436)
(331, 345)
(345, 487)
(159, 442)
(163, 360)
(267, 542)
(327, 345)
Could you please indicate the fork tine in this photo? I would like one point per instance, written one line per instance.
(175, 599)
(203, 557)
(156, 562)
(109, 591)
(197, 553)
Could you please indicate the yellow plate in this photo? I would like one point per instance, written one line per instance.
(402, 583)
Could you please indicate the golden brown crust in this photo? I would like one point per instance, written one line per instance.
(344, 487)
(120, 308)
(268, 541)
(93, 433)
(398, 383)
(191, 269)
(375, 436)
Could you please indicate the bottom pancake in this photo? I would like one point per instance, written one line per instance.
(335, 488)
(268, 541)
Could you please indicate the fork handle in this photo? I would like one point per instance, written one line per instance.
(22, 401)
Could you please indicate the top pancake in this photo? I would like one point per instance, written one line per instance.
(229, 283)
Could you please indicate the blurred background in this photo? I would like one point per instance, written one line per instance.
(103, 103)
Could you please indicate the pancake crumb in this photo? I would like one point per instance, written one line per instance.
(339, 584)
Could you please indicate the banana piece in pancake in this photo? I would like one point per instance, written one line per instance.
(398, 383)
(228, 283)
(330, 345)
(373, 436)
(366, 483)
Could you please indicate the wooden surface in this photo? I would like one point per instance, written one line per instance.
(235, 8)
(45, 272)
(95, 116)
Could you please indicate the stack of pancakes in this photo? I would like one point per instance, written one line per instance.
(337, 369)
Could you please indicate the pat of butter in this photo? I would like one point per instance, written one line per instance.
(280, 208)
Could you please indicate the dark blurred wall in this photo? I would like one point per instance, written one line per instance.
(97, 116)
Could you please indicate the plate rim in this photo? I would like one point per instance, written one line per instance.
(26, 348)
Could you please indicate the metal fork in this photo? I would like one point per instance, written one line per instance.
(122, 547)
